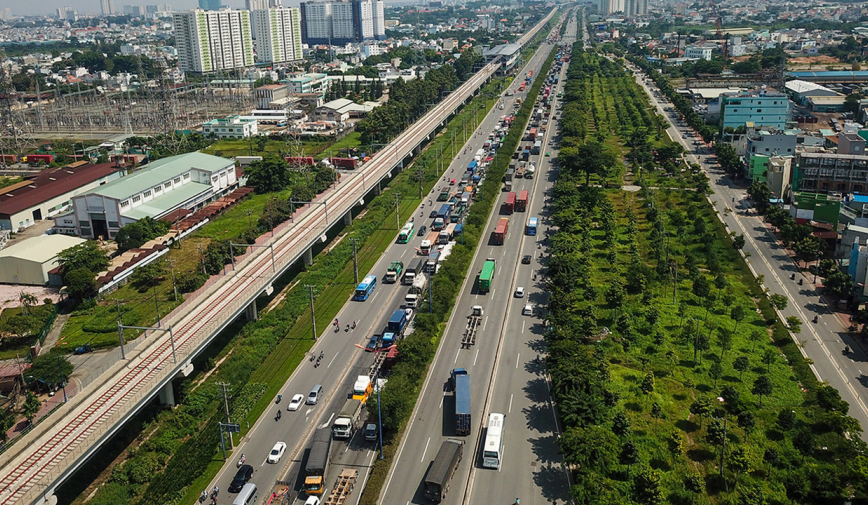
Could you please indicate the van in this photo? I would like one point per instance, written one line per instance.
(313, 397)
(247, 496)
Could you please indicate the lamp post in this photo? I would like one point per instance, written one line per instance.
(292, 202)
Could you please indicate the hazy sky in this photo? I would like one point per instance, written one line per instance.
(45, 7)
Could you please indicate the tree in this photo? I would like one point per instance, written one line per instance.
(700, 287)
(826, 267)
(694, 483)
(135, 234)
(795, 324)
(592, 447)
(738, 242)
(716, 433)
(838, 284)
(807, 249)
(621, 424)
(50, 367)
(779, 301)
(7, 420)
(715, 371)
(740, 364)
(740, 461)
(646, 486)
(590, 158)
(648, 384)
(81, 283)
(31, 407)
(769, 357)
(737, 314)
(269, 175)
(746, 420)
(700, 407)
(761, 195)
(85, 255)
(762, 386)
(852, 102)
(786, 419)
(829, 399)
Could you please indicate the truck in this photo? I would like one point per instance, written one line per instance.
(509, 204)
(318, 461)
(521, 201)
(414, 295)
(344, 162)
(347, 421)
(413, 269)
(486, 275)
(510, 173)
(443, 196)
(525, 155)
(528, 173)
(428, 243)
(362, 388)
(300, 161)
(461, 392)
(398, 322)
(519, 174)
(532, 135)
(432, 262)
(442, 469)
(537, 147)
(444, 212)
(393, 273)
(480, 153)
(472, 166)
(500, 231)
(472, 328)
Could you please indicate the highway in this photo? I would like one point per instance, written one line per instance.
(823, 342)
(343, 361)
(53, 450)
(495, 361)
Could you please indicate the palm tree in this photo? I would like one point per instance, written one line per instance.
(27, 300)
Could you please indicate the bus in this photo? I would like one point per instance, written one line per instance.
(406, 233)
(365, 288)
(493, 449)
(532, 223)
(487, 275)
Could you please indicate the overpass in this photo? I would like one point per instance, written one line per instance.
(44, 458)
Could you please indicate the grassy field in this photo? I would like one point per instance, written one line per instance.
(231, 148)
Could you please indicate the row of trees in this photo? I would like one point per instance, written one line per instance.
(666, 380)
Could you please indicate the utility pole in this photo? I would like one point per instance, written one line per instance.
(225, 385)
(355, 261)
(398, 209)
(420, 174)
(312, 312)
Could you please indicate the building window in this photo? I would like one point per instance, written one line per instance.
(167, 185)
(84, 224)
(177, 180)
(186, 176)
(137, 199)
(85, 231)
(147, 193)
(158, 189)
(759, 110)
(113, 224)
(125, 204)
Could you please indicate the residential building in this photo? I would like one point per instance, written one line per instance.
(820, 210)
(278, 34)
(208, 41)
(341, 22)
(761, 109)
(771, 142)
(210, 5)
(779, 176)
(28, 261)
(107, 7)
(307, 83)
(698, 52)
(187, 181)
(269, 94)
(232, 127)
(256, 5)
(857, 268)
(841, 173)
(49, 193)
(851, 143)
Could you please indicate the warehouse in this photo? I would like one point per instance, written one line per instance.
(188, 181)
(30, 260)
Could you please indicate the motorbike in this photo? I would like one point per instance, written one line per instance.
(241, 461)
(279, 397)
(348, 327)
(354, 325)
(800, 281)
(816, 318)
(846, 349)
(277, 416)
(793, 277)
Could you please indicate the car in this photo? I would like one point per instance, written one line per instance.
(519, 292)
(422, 230)
(312, 500)
(373, 343)
(526, 259)
(276, 452)
(527, 310)
(432, 214)
(241, 477)
(295, 403)
(548, 153)
(451, 182)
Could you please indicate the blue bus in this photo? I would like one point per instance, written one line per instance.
(365, 288)
(532, 225)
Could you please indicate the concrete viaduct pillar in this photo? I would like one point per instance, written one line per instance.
(308, 254)
(167, 394)
(348, 218)
(251, 313)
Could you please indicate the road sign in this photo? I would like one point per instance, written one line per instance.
(233, 428)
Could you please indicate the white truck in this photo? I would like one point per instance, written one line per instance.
(528, 173)
(416, 293)
(347, 421)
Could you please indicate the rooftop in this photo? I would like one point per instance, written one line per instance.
(50, 183)
(799, 86)
(160, 171)
(40, 249)
(166, 200)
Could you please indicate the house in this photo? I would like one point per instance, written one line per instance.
(232, 127)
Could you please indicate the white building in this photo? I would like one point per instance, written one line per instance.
(256, 5)
(188, 181)
(107, 7)
(29, 261)
(208, 41)
(698, 52)
(232, 127)
(340, 22)
(278, 34)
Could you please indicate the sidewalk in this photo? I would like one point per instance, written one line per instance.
(49, 403)
(54, 333)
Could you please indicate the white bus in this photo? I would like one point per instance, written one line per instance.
(493, 449)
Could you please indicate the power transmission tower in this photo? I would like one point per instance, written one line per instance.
(14, 131)
(226, 385)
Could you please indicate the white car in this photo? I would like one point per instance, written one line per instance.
(295, 403)
(276, 452)
(312, 500)
(519, 292)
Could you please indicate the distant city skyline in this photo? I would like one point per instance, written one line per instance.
(49, 7)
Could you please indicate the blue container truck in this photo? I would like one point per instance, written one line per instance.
(461, 385)
(444, 212)
(397, 322)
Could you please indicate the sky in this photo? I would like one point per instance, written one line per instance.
(47, 7)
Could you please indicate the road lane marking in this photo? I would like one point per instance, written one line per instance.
(509, 409)
(484, 324)
(424, 451)
(441, 400)
(476, 357)
(456, 356)
(333, 360)
(522, 326)
(517, 356)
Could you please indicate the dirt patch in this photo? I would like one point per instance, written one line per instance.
(813, 60)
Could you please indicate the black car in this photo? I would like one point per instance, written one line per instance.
(373, 343)
(241, 478)
(526, 259)
(433, 214)
(422, 230)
